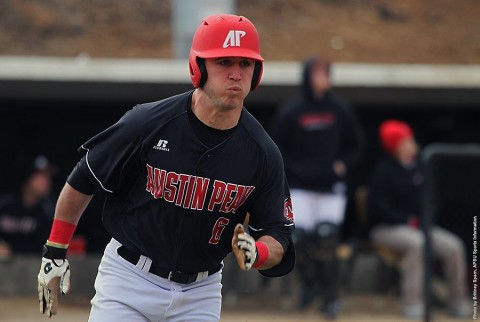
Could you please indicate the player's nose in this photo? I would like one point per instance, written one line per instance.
(235, 73)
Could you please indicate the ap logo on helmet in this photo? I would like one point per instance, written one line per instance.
(233, 38)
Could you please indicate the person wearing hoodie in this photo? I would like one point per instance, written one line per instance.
(395, 204)
(321, 140)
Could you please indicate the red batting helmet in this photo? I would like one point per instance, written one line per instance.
(224, 36)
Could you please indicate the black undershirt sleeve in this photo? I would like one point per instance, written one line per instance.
(80, 180)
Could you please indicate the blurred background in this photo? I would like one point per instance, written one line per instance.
(69, 69)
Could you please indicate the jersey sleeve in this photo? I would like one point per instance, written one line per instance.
(80, 180)
(111, 152)
(272, 214)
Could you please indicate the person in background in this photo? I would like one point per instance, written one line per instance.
(395, 194)
(26, 214)
(320, 140)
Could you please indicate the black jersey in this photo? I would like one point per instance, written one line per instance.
(177, 201)
(24, 228)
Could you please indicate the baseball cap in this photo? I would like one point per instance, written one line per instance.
(35, 164)
(392, 132)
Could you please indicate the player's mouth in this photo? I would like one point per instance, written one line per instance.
(234, 89)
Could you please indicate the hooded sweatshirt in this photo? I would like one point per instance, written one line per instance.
(313, 133)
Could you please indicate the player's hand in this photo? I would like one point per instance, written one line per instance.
(243, 247)
(54, 275)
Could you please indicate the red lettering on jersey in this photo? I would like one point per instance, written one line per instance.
(189, 193)
(218, 194)
(200, 194)
(170, 186)
(228, 198)
(150, 187)
(243, 192)
(158, 182)
(217, 230)
(183, 178)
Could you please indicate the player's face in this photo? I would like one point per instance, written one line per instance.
(229, 81)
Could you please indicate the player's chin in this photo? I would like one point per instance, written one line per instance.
(235, 99)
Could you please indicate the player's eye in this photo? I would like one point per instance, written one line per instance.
(224, 62)
(246, 63)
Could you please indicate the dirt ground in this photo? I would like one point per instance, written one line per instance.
(361, 308)
(378, 31)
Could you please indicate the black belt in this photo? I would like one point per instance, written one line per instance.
(174, 276)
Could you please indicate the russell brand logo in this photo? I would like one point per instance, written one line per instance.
(233, 38)
(162, 145)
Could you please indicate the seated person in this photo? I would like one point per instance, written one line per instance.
(26, 214)
(395, 193)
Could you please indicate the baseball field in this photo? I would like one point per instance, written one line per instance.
(357, 308)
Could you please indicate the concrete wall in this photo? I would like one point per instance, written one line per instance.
(19, 277)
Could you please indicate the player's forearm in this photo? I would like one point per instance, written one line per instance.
(275, 252)
(71, 204)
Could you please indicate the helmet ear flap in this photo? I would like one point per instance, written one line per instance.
(203, 71)
(257, 74)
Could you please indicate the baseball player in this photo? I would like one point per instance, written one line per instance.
(180, 176)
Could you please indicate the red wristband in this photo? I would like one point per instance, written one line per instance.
(262, 254)
(62, 232)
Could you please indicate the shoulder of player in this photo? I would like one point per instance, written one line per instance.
(257, 133)
(166, 109)
(171, 104)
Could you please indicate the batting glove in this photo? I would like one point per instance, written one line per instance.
(54, 274)
(243, 246)
(247, 244)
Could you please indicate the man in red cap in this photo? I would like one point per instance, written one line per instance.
(395, 194)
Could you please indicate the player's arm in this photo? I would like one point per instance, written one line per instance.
(274, 252)
(55, 270)
(71, 204)
(263, 253)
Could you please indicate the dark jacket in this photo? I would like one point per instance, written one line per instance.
(312, 134)
(25, 229)
(394, 192)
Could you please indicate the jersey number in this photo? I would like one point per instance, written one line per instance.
(218, 230)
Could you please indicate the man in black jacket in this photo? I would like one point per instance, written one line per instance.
(26, 213)
(320, 140)
(395, 194)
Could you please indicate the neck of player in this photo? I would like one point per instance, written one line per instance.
(214, 114)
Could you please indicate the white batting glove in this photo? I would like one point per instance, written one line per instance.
(54, 274)
(247, 244)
